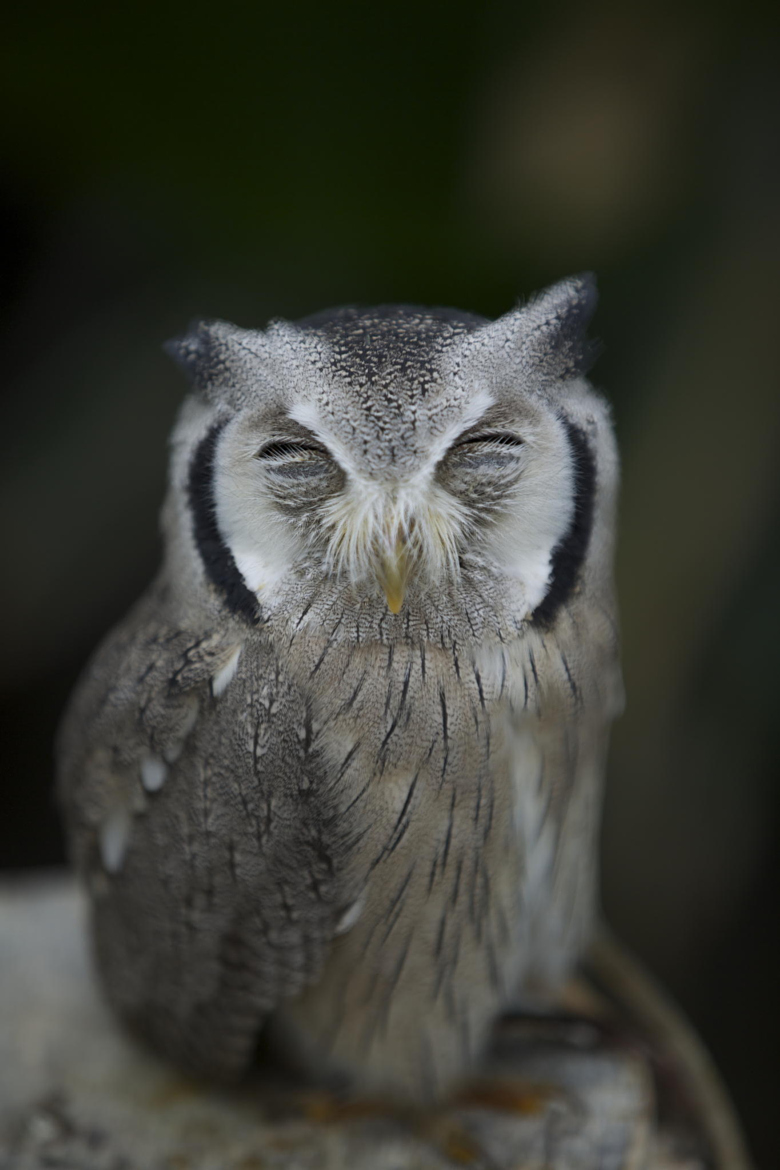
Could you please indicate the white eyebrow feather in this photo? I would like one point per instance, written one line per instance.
(478, 406)
(308, 416)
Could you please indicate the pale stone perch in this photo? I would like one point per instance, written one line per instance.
(621, 1084)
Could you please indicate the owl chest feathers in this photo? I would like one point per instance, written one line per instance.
(446, 851)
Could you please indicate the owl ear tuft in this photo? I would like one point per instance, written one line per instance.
(558, 321)
(548, 335)
(218, 357)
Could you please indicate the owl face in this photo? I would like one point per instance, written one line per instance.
(397, 450)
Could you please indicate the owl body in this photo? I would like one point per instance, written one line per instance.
(339, 772)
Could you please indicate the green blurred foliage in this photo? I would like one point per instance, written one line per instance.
(167, 161)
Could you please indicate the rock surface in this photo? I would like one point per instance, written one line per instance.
(77, 1094)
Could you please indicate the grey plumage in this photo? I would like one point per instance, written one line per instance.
(367, 821)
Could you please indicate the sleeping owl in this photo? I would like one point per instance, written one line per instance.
(338, 774)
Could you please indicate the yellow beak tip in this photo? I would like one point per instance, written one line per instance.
(392, 577)
(394, 602)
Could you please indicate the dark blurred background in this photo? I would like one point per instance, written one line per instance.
(166, 161)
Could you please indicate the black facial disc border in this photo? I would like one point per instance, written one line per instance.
(221, 569)
(569, 553)
(223, 573)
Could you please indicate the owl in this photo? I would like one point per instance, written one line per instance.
(337, 776)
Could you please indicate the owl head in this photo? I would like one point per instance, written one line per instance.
(397, 452)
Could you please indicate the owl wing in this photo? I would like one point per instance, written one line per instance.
(185, 802)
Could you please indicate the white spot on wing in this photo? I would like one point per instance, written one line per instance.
(114, 837)
(153, 773)
(174, 749)
(350, 916)
(225, 676)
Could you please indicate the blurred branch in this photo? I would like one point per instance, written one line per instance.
(581, 1089)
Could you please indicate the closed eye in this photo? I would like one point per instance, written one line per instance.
(495, 439)
(289, 450)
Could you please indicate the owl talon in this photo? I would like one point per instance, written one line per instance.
(451, 1137)
(440, 1127)
(323, 1108)
(504, 1095)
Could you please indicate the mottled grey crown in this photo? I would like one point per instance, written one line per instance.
(546, 336)
(389, 341)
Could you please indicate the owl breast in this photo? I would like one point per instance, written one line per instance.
(437, 787)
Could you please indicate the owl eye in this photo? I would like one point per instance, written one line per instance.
(282, 449)
(294, 457)
(495, 441)
(490, 450)
(484, 459)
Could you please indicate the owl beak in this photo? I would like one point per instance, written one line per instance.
(393, 574)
